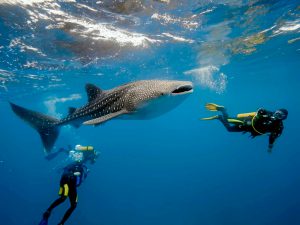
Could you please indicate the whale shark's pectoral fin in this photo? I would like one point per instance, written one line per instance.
(105, 118)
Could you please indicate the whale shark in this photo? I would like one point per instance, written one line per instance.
(144, 99)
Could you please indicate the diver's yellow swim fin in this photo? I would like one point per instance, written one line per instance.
(210, 118)
(213, 107)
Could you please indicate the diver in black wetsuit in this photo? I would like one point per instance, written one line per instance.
(257, 123)
(72, 177)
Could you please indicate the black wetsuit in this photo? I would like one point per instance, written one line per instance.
(72, 177)
(262, 123)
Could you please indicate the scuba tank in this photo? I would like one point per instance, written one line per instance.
(84, 148)
(244, 115)
(88, 152)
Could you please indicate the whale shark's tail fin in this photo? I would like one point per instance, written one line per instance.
(45, 125)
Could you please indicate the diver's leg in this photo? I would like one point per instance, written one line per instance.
(57, 202)
(223, 111)
(73, 201)
(63, 193)
(231, 127)
(68, 213)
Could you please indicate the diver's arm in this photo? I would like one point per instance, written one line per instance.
(83, 174)
(85, 171)
(274, 135)
(272, 139)
(55, 154)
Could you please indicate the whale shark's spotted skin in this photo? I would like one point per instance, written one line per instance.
(139, 100)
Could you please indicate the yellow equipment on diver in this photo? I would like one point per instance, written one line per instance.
(253, 116)
(244, 115)
(84, 148)
(210, 118)
(213, 107)
(230, 120)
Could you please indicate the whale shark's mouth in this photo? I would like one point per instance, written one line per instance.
(184, 89)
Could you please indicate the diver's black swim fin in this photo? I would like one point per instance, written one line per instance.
(44, 221)
(46, 216)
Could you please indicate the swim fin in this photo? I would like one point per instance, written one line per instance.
(44, 221)
(46, 216)
(211, 118)
(214, 107)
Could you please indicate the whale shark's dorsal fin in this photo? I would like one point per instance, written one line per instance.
(93, 91)
(71, 110)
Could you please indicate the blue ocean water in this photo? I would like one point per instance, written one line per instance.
(174, 169)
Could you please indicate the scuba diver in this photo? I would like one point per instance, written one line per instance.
(73, 175)
(257, 123)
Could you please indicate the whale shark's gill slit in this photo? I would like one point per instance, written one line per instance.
(182, 89)
(104, 108)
